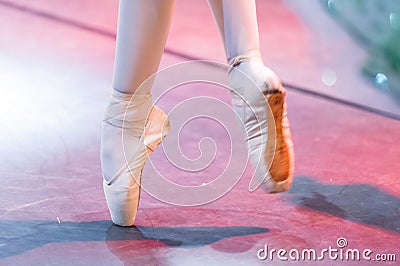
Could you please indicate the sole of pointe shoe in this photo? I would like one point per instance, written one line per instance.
(279, 145)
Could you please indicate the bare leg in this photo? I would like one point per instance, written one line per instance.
(142, 32)
(218, 12)
(143, 28)
(237, 23)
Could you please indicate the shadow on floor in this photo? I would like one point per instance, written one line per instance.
(360, 203)
(17, 237)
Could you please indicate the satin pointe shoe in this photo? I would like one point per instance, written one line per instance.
(132, 129)
(259, 99)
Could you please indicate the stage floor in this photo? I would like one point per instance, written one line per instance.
(56, 66)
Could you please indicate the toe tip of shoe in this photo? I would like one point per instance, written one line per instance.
(122, 224)
(273, 187)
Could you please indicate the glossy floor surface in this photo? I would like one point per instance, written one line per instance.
(56, 66)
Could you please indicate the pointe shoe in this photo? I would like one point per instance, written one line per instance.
(124, 154)
(254, 88)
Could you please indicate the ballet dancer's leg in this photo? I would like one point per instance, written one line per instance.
(143, 28)
(218, 12)
(132, 127)
(237, 22)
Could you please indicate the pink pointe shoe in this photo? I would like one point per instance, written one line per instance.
(132, 129)
(260, 101)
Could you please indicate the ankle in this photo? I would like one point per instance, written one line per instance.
(250, 69)
(252, 55)
(128, 111)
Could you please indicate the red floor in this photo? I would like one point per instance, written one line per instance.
(56, 67)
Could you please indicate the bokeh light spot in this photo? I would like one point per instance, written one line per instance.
(382, 82)
(328, 77)
(330, 4)
(394, 19)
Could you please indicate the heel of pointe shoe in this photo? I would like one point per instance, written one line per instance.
(153, 136)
